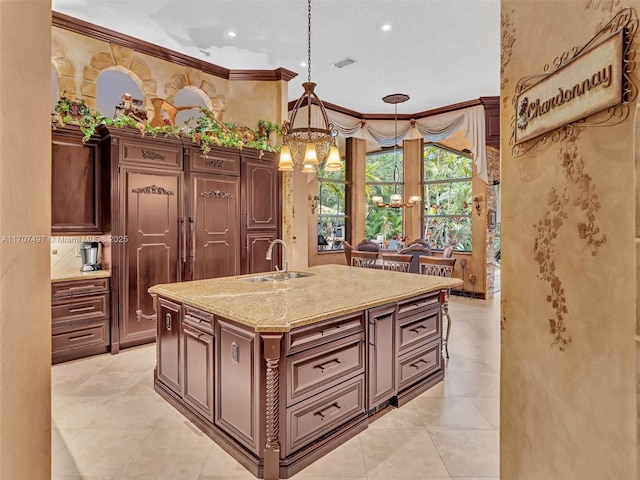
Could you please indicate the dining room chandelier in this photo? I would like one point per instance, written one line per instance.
(309, 146)
(395, 199)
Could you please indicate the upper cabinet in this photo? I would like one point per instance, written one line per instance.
(76, 206)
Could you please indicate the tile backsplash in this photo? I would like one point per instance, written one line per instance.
(65, 253)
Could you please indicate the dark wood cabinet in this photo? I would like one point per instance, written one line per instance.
(151, 209)
(198, 348)
(76, 204)
(237, 388)
(79, 318)
(214, 233)
(178, 214)
(381, 323)
(169, 325)
(260, 211)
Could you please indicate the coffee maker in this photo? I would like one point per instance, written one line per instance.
(89, 256)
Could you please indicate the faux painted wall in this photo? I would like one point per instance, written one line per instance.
(78, 61)
(25, 206)
(569, 271)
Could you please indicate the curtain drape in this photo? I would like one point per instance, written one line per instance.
(432, 129)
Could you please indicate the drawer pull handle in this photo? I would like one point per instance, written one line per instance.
(323, 413)
(80, 337)
(417, 329)
(417, 364)
(81, 309)
(83, 287)
(330, 364)
(167, 321)
(330, 330)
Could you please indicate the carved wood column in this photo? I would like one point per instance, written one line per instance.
(271, 349)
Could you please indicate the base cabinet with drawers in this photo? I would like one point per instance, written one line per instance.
(296, 394)
(79, 318)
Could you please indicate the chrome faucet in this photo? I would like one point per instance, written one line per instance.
(285, 270)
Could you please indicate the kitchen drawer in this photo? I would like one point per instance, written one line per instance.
(420, 328)
(70, 288)
(321, 413)
(414, 305)
(80, 308)
(323, 366)
(323, 332)
(159, 155)
(418, 364)
(198, 319)
(84, 335)
(216, 161)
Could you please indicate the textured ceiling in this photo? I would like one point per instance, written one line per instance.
(439, 52)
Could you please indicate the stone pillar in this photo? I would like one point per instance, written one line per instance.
(356, 155)
(25, 226)
(412, 166)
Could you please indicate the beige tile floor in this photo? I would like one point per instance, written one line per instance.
(109, 424)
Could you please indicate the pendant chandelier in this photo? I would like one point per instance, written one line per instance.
(309, 146)
(395, 199)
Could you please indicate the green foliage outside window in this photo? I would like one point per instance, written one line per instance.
(447, 198)
(332, 209)
(380, 181)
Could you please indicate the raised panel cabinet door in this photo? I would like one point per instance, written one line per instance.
(169, 324)
(75, 187)
(256, 246)
(198, 370)
(214, 227)
(152, 208)
(237, 391)
(382, 358)
(261, 190)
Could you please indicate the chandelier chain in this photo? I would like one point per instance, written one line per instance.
(309, 42)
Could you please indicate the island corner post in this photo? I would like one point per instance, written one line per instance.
(271, 351)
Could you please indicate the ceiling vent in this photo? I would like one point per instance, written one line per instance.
(344, 62)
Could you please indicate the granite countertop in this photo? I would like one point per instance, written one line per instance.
(64, 275)
(279, 306)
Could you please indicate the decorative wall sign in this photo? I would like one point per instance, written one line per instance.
(589, 86)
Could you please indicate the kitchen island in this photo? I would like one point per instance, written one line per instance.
(281, 372)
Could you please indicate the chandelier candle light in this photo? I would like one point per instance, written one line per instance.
(309, 146)
(395, 199)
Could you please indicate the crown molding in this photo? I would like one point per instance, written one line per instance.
(97, 32)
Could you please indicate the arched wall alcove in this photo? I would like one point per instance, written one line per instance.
(112, 83)
(190, 95)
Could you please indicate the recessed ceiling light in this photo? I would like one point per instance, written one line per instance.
(385, 28)
(231, 34)
(303, 64)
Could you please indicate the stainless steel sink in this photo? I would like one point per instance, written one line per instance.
(275, 277)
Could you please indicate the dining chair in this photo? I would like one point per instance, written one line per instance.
(367, 245)
(440, 267)
(416, 251)
(347, 251)
(396, 262)
(363, 259)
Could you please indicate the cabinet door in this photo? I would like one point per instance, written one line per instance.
(75, 187)
(214, 226)
(237, 367)
(261, 193)
(151, 210)
(381, 334)
(169, 324)
(198, 370)
(256, 251)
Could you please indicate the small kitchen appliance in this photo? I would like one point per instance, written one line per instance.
(89, 256)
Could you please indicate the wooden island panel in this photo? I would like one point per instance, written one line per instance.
(291, 383)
